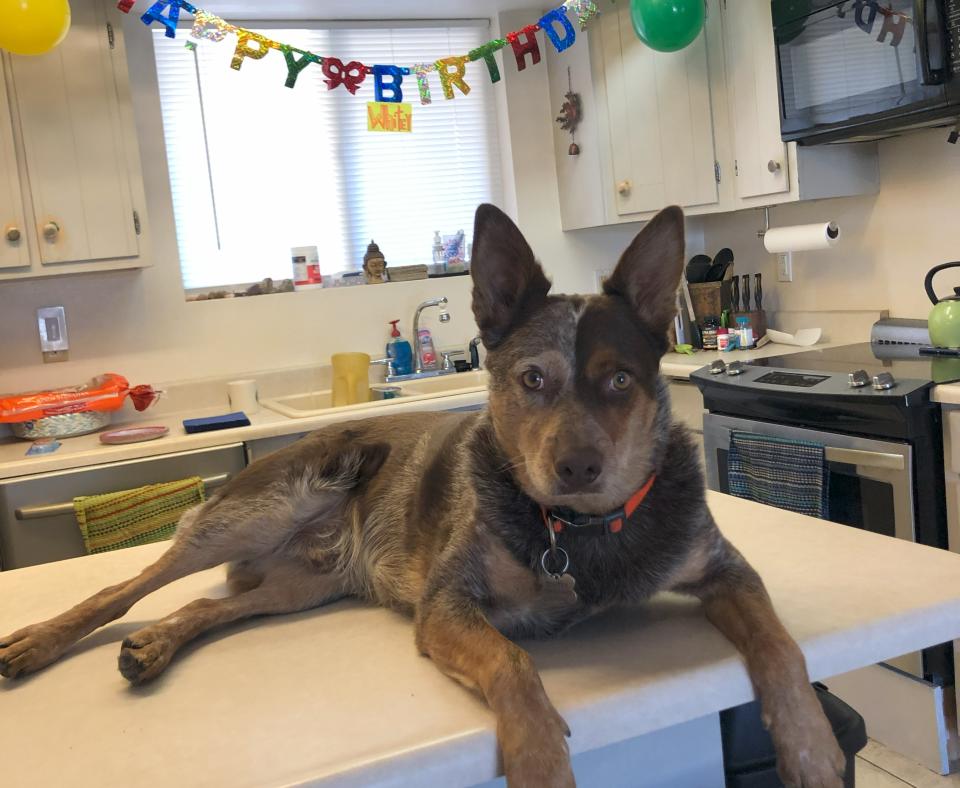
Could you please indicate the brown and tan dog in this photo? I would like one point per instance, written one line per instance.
(446, 516)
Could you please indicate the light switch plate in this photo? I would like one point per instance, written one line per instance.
(52, 325)
(785, 267)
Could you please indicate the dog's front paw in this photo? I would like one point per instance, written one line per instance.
(535, 752)
(808, 755)
(29, 649)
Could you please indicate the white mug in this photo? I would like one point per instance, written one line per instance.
(243, 396)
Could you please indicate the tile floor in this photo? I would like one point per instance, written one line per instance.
(879, 767)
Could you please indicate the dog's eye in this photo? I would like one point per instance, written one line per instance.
(620, 381)
(532, 379)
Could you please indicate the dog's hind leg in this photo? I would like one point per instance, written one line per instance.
(253, 516)
(288, 586)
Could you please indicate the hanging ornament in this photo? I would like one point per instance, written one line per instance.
(486, 53)
(452, 70)
(554, 17)
(571, 113)
(33, 27)
(337, 74)
(155, 14)
(584, 9)
(126, 5)
(667, 25)
(387, 83)
(525, 43)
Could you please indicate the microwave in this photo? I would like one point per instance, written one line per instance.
(865, 69)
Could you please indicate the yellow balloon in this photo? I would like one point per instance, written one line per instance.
(33, 27)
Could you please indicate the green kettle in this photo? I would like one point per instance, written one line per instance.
(944, 320)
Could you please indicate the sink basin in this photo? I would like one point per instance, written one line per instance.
(317, 403)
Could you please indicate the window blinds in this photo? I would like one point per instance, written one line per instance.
(257, 168)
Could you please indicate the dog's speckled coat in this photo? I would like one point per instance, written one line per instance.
(439, 515)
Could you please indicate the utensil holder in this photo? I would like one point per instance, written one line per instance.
(710, 299)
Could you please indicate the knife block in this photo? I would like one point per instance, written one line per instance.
(710, 299)
(758, 322)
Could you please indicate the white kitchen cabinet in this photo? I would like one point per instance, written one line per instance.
(13, 246)
(660, 123)
(698, 128)
(77, 151)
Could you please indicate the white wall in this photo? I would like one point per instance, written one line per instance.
(889, 240)
(138, 324)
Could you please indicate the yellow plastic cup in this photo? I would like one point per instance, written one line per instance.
(351, 378)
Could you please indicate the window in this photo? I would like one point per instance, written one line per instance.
(257, 168)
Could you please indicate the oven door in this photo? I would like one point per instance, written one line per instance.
(870, 482)
(859, 68)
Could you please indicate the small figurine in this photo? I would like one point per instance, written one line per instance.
(374, 265)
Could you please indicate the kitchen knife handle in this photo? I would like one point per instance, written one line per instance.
(735, 294)
(745, 292)
(758, 291)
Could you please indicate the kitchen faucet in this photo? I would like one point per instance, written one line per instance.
(444, 318)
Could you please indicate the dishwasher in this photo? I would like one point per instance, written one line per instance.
(37, 523)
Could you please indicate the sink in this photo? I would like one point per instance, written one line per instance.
(316, 403)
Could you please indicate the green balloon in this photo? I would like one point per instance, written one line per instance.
(667, 25)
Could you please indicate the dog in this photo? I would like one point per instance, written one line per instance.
(575, 491)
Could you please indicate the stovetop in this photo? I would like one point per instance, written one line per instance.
(902, 361)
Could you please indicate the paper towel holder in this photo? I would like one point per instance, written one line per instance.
(833, 231)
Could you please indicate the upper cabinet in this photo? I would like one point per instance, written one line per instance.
(75, 187)
(698, 128)
(661, 129)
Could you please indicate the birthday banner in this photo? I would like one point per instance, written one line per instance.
(388, 80)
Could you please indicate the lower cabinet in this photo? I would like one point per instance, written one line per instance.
(37, 523)
(260, 448)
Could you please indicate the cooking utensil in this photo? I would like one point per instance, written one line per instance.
(758, 291)
(719, 265)
(944, 320)
(697, 268)
(694, 328)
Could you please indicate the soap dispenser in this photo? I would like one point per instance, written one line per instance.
(399, 352)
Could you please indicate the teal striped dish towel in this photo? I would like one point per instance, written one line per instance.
(782, 472)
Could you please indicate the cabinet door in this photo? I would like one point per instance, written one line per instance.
(754, 98)
(72, 135)
(14, 252)
(661, 126)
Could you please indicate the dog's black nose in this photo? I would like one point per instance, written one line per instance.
(579, 469)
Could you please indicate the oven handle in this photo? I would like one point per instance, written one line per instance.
(57, 509)
(931, 76)
(868, 459)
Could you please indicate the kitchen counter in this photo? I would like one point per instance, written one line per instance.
(339, 696)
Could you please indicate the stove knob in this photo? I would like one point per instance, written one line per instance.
(718, 367)
(859, 379)
(736, 368)
(884, 381)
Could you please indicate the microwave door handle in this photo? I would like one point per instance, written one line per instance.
(931, 75)
(57, 509)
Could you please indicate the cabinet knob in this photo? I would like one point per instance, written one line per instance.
(624, 188)
(51, 230)
(774, 166)
(13, 234)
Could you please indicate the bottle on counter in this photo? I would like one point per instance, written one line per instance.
(399, 352)
(745, 332)
(723, 338)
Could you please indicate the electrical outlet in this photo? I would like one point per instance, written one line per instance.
(785, 267)
(52, 325)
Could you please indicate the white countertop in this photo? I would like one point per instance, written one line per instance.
(339, 696)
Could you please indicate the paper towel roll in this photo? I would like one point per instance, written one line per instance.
(801, 237)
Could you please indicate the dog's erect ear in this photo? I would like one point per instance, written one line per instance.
(507, 280)
(649, 271)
